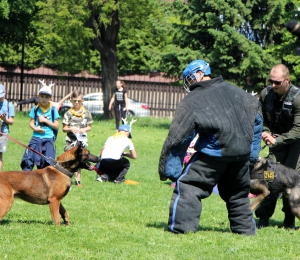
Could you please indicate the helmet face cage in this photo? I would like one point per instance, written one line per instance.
(192, 75)
(189, 80)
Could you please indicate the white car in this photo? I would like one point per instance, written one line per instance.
(94, 103)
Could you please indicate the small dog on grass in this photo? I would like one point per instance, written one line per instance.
(45, 186)
(268, 177)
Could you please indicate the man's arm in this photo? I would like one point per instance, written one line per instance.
(294, 134)
(63, 100)
(182, 132)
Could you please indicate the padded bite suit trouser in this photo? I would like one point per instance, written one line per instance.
(288, 156)
(197, 182)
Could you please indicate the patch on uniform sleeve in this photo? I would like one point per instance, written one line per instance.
(269, 175)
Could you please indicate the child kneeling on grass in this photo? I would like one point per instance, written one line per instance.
(113, 165)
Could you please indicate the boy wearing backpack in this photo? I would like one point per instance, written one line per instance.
(77, 122)
(44, 123)
(7, 114)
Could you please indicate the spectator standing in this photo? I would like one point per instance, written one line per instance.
(228, 122)
(281, 132)
(7, 114)
(44, 123)
(77, 122)
(120, 101)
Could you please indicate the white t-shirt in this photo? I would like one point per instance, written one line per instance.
(114, 147)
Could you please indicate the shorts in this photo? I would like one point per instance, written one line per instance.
(3, 144)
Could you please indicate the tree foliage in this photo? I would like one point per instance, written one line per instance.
(143, 35)
(63, 42)
(233, 36)
(72, 32)
(4, 9)
(16, 28)
(238, 38)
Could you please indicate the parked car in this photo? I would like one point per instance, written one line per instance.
(94, 103)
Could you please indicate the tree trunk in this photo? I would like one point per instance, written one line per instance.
(105, 42)
(109, 78)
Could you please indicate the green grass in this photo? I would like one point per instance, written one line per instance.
(122, 221)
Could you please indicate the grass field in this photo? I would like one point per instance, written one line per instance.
(119, 221)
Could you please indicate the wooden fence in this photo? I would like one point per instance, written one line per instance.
(154, 90)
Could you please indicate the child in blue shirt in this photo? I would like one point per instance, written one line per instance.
(44, 123)
(7, 113)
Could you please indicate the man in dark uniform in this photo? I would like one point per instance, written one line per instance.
(281, 131)
(229, 124)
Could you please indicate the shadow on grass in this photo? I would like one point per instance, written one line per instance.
(164, 226)
(168, 183)
(272, 223)
(28, 222)
(153, 124)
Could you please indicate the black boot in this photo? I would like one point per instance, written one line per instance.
(289, 222)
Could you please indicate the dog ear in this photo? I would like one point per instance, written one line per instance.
(79, 149)
(260, 163)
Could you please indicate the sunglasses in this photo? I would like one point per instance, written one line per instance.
(275, 82)
(76, 100)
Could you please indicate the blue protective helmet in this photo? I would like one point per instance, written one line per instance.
(190, 75)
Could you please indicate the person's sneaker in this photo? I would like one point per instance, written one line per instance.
(104, 177)
(119, 181)
(263, 222)
(78, 185)
(99, 179)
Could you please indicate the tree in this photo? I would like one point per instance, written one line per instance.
(238, 38)
(16, 28)
(63, 41)
(144, 32)
(104, 21)
(285, 48)
(4, 9)
(71, 32)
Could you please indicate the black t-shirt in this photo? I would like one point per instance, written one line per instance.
(120, 97)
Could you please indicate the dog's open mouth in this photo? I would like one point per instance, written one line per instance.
(88, 166)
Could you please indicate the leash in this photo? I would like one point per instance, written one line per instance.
(55, 163)
(48, 159)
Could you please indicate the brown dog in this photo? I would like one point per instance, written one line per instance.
(45, 186)
(269, 177)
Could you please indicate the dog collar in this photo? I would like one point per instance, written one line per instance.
(269, 174)
(58, 167)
